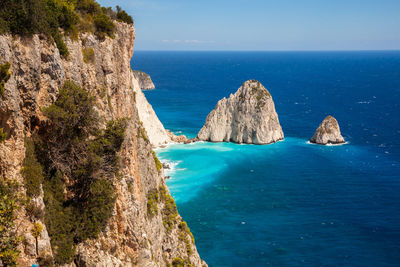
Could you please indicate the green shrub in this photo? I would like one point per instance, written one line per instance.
(178, 262)
(183, 236)
(157, 161)
(104, 26)
(142, 133)
(9, 241)
(88, 55)
(5, 75)
(152, 202)
(74, 146)
(34, 211)
(123, 16)
(47, 16)
(3, 135)
(32, 170)
(169, 211)
(62, 47)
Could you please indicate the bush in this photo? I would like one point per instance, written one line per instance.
(32, 170)
(47, 16)
(123, 16)
(88, 55)
(178, 262)
(152, 202)
(3, 135)
(74, 146)
(104, 26)
(34, 211)
(9, 241)
(169, 211)
(157, 161)
(5, 75)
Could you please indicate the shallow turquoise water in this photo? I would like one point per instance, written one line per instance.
(289, 203)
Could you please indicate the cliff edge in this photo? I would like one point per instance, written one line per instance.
(248, 116)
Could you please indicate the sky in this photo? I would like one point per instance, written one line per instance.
(264, 25)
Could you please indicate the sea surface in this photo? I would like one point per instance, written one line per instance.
(290, 203)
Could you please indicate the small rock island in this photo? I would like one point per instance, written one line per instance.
(328, 132)
(248, 116)
(144, 79)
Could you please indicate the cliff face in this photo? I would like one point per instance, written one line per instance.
(145, 82)
(132, 237)
(328, 132)
(155, 130)
(248, 116)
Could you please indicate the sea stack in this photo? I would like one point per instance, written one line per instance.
(248, 116)
(328, 132)
(144, 79)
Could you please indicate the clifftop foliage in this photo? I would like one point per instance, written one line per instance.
(48, 16)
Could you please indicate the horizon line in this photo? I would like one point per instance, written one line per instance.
(333, 50)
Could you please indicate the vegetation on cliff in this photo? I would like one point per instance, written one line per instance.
(9, 204)
(4, 75)
(48, 16)
(77, 162)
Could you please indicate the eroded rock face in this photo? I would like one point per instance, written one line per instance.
(328, 132)
(132, 237)
(144, 79)
(248, 116)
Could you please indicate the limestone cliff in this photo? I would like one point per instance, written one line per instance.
(145, 82)
(328, 132)
(248, 116)
(132, 237)
(155, 130)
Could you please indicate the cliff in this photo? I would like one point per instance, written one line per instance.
(248, 116)
(328, 132)
(145, 82)
(144, 228)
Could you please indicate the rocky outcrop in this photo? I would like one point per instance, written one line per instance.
(131, 237)
(328, 132)
(180, 138)
(248, 116)
(145, 82)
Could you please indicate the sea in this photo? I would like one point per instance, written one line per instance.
(291, 203)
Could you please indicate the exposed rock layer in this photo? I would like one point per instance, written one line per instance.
(145, 82)
(248, 116)
(132, 237)
(328, 132)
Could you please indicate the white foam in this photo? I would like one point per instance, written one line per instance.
(345, 143)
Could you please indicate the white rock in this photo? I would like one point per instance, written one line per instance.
(328, 132)
(248, 116)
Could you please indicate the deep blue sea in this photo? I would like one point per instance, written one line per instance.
(289, 203)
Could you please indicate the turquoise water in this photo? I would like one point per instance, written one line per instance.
(290, 203)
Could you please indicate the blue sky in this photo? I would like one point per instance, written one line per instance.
(264, 24)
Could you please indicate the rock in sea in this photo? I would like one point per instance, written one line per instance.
(328, 132)
(248, 116)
